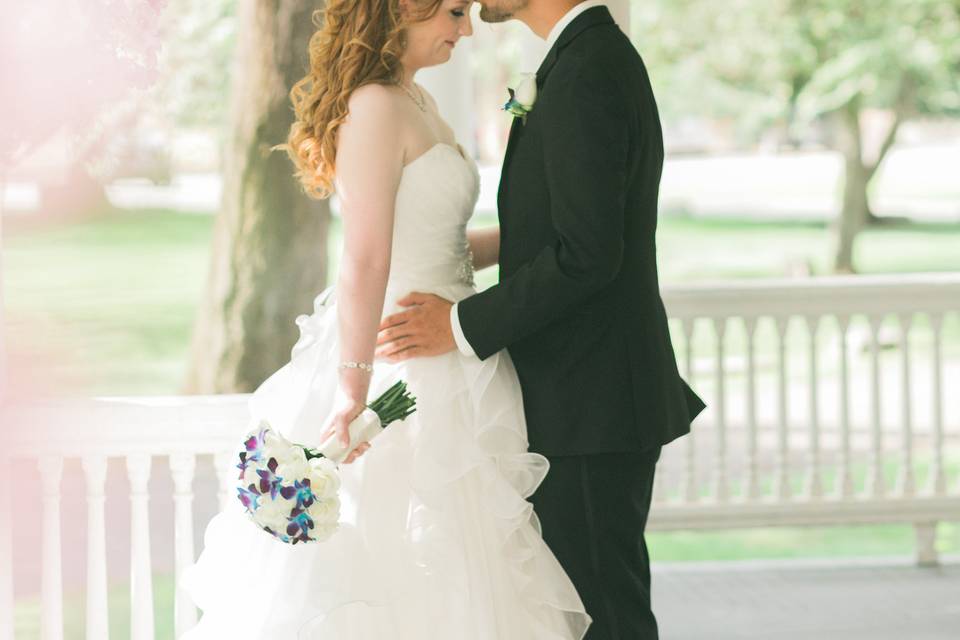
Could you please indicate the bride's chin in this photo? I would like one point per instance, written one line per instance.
(442, 57)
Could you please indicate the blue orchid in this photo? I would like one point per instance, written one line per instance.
(250, 498)
(254, 447)
(269, 480)
(302, 491)
(299, 527)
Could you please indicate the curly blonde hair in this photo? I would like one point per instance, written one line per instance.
(358, 42)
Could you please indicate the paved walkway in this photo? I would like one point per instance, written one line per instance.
(875, 599)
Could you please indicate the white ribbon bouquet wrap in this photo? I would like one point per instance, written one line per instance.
(291, 491)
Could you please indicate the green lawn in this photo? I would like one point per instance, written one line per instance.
(27, 612)
(794, 542)
(113, 299)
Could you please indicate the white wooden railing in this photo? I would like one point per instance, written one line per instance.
(754, 458)
(747, 472)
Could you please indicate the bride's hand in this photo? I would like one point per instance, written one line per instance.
(348, 407)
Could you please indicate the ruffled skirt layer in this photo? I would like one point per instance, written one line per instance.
(437, 539)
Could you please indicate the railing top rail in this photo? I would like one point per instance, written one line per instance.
(815, 296)
(120, 425)
(168, 424)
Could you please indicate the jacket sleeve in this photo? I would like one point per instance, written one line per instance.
(585, 144)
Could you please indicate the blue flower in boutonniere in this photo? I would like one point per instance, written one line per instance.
(522, 99)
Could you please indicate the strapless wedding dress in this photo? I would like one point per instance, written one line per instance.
(437, 539)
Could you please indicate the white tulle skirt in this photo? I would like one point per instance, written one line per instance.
(437, 538)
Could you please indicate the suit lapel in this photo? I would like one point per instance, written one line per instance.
(589, 18)
(511, 143)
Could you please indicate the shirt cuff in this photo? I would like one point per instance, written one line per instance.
(458, 336)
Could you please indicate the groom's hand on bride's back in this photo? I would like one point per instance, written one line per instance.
(422, 330)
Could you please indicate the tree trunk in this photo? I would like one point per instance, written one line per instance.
(269, 248)
(853, 215)
(856, 179)
(858, 173)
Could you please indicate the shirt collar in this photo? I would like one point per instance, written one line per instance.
(568, 18)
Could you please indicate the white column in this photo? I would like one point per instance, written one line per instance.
(51, 584)
(141, 573)
(721, 488)
(95, 470)
(182, 466)
(926, 544)
(452, 86)
(226, 477)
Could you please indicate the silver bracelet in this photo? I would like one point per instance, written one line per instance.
(357, 365)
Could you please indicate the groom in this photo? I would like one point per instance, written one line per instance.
(578, 305)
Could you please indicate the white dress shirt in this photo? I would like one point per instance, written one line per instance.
(462, 344)
(568, 17)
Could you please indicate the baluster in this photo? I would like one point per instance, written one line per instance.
(937, 484)
(51, 586)
(224, 463)
(752, 482)
(814, 484)
(95, 471)
(6, 555)
(182, 466)
(688, 486)
(721, 489)
(141, 573)
(844, 483)
(905, 479)
(782, 479)
(875, 484)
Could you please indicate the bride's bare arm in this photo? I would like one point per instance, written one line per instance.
(369, 164)
(485, 244)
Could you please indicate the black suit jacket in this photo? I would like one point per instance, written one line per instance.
(578, 303)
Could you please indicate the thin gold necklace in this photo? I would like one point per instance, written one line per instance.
(421, 103)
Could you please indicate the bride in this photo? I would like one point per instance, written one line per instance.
(437, 539)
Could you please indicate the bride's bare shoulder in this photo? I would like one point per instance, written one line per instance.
(374, 120)
(372, 100)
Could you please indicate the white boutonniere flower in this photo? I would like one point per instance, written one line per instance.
(522, 99)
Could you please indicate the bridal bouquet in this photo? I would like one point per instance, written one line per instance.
(291, 491)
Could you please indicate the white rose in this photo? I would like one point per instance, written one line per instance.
(274, 513)
(324, 479)
(291, 460)
(325, 512)
(292, 469)
(250, 476)
(526, 92)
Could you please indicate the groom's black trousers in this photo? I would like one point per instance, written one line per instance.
(593, 509)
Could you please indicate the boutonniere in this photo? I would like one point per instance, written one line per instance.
(522, 99)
